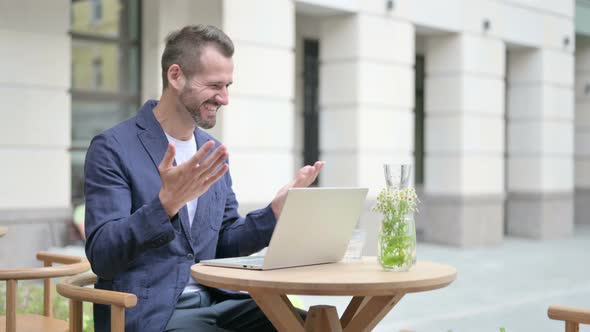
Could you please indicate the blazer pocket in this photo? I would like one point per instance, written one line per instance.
(216, 210)
(135, 283)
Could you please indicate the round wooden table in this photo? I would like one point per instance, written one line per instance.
(374, 291)
(3, 231)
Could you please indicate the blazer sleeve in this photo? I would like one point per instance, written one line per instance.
(114, 235)
(242, 236)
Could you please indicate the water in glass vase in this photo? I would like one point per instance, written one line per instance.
(397, 243)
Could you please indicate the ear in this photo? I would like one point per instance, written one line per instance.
(176, 78)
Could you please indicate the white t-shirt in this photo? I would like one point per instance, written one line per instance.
(185, 150)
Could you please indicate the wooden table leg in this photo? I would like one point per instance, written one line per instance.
(279, 311)
(322, 318)
(372, 312)
(354, 306)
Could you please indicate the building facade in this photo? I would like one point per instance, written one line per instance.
(488, 99)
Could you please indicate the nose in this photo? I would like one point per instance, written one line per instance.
(223, 96)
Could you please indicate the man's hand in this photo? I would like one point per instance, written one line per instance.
(189, 180)
(304, 177)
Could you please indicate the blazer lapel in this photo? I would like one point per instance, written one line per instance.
(154, 141)
(203, 212)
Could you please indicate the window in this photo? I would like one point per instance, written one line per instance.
(97, 72)
(419, 122)
(311, 151)
(105, 72)
(96, 11)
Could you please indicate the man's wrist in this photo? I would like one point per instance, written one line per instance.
(170, 210)
(275, 206)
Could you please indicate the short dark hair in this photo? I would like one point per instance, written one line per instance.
(184, 46)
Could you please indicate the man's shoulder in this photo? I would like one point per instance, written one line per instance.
(122, 133)
(121, 130)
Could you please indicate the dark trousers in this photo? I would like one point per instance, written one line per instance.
(203, 311)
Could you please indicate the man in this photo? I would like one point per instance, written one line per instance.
(159, 198)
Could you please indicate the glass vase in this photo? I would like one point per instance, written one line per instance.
(397, 232)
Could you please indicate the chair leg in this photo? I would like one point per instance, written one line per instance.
(47, 298)
(11, 305)
(117, 319)
(572, 327)
(75, 316)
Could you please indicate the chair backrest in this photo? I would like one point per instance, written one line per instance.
(71, 265)
(74, 289)
(572, 316)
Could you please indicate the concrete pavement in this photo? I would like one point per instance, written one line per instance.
(509, 286)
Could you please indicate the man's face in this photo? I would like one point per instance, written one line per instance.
(207, 90)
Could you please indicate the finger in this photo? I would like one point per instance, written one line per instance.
(213, 160)
(301, 178)
(217, 175)
(168, 160)
(218, 163)
(318, 165)
(201, 153)
(317, 168)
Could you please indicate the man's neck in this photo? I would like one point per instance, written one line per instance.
(175, 123)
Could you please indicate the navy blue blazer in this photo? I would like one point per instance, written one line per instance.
(132, 244)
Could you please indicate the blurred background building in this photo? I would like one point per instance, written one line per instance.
(488, 99)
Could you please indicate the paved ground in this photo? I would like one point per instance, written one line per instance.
(509, 286)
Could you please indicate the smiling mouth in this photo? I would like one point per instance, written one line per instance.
(212, 107)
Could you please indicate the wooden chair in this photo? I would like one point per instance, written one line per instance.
(74, 289)
(46, 322)
(572, 316)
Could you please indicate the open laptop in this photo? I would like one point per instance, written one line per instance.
(313, 228)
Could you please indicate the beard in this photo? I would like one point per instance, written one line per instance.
(194, 110)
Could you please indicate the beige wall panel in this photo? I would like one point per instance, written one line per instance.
(35, 118)
(35, 59)
(341, 168)
(468, 93)
(35, 177)
(259, 173)
(386, 85)
(464, 134)
(399, 47)
(339, 128)
(541, 138)
(582, 116)
(464, 175)
(547, 66)
(582, 169)
(564, 7)
(537, 101)
(465, 53)
(476, 12)
(443, 15)
(582, 143)
(533, 174)
(263, 72)
(339, 83)
(386, 129)
(47, 17)
(238, 22)
(258, 122)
